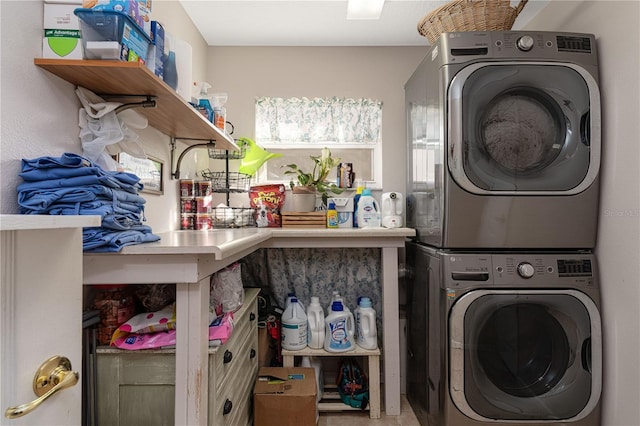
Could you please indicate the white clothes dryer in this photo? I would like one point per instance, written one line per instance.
(504, 141)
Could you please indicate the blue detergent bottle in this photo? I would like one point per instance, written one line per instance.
(339, 329)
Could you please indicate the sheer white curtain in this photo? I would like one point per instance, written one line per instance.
(318, 120)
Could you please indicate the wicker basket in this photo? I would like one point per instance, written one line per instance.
(469, 15)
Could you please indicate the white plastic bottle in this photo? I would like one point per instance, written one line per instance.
(335, 297)
(290, 296)
(366, 329)
(368, 211)
(294, 327)
(316, 364)
(339, 330)
(315, 321)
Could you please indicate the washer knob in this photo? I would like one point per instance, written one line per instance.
(526, 270)
(525, 43)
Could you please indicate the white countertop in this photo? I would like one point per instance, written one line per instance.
(19, 222)
(225, 242)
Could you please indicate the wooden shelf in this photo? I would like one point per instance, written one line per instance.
(119, 81)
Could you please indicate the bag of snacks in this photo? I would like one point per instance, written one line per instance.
(267, 200)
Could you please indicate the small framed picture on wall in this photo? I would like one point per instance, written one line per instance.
(150, 170)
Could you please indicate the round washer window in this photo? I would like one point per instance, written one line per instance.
(518, 348)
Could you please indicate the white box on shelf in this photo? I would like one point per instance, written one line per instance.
(344, 207)
(62, 39)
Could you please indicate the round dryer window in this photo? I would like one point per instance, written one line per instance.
(523, 127)
(521, 130)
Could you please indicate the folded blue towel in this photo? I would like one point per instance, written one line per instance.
(97, 240)
(40, 200)
(73, 185)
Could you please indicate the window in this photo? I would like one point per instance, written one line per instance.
(300, 127)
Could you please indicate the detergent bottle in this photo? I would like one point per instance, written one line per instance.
(368, 211)
(356, 200)
(294, 327)
(290, 296)
(339, 330)
(366, 329)
(315, 321)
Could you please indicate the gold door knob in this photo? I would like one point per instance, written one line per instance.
(53, 375)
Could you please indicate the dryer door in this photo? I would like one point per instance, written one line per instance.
(525, 355)
(529, 128)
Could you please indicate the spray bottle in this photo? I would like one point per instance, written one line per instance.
(204, 100)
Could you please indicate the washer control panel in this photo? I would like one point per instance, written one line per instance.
(525, 269)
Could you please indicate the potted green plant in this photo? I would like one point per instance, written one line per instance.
(314, 182)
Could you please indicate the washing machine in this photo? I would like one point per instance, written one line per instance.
(504, 141)
(503, 337)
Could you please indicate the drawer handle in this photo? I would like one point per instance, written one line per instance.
(252, 316)
(228, 406)
(252, 355)
(228, 356)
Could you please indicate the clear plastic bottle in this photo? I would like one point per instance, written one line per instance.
(294, 327)
(315, 327)
(366, 329)
(339, 330)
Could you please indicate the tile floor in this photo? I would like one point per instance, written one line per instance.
(350, 418)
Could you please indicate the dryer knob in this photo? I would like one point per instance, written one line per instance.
(525, 43)
(526, 270)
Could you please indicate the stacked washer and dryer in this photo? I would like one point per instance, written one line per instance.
(503, 163)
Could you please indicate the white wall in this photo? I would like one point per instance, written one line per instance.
(38, 111)
(371, 72)
(615, 25)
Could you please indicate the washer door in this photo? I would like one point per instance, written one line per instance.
(524, 127)
(524, 355)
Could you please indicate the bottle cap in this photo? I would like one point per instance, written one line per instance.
(336, 306)
(365, 302)
(332, 205)
(366, 191)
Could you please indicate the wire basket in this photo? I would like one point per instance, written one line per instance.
(232, 217)
(221, 154)
(227, 181)
(469, 15)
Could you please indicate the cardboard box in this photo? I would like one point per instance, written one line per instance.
(285, 396)
(344, 207)
(138, 10)
(62, 38)
(155, 59)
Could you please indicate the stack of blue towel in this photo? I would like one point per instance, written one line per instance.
(73, 185)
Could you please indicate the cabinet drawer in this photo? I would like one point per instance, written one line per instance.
(237, 349)
(232, 407)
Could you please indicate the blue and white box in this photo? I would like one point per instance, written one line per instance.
(157, 55)
(344, 207)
